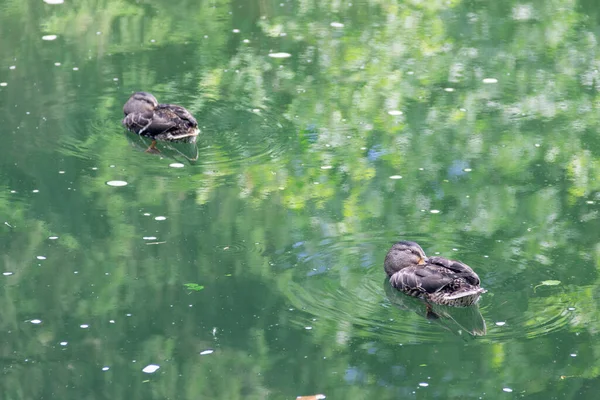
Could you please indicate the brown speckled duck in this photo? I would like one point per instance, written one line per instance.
(169, 122)
(435, 279)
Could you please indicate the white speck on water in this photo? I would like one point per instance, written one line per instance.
(507, 390)
(573, 355)
(308, 328)
(337, 25)
(571, 308)
(75, 68)
(112, 321)
(35, 191)
(152, 41)
(467, 170)
(236, 31)
(3, 84)
(49, 37)
(151, 368)
(176, 165)
(98, 33)
(57, 64)
(36, 321)
(246, 41)
(12, 67)
(280, 55)
(53, 237)
(449, 89)
(205, 352)
(589, 202)
(396, 177)
(490, 80)
(84, 326)
(116, 183)
(63, 343)
(40, 257)
(147, 214)
(115, 79)
(7, 273)
(434, 211)
(54, 1)
(326, 167)
(105, 368)
(149, 238)
(395, 112)
(537, 145)
(61, 172)
(423, 384)
(160, 218)
(500, 323)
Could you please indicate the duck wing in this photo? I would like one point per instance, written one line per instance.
(149, 123)
(425, 278)
(173, 110)
(459, 269)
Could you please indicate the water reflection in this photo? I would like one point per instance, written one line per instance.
(457, 320)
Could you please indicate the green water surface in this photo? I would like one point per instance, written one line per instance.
(250, 266)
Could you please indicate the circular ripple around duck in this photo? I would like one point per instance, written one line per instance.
(232, 135)
(340, 281)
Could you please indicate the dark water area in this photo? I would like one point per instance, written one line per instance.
(250, 265)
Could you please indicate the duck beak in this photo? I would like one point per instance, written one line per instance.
(422, 261)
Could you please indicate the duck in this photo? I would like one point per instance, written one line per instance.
(169, 122)
(435, 279)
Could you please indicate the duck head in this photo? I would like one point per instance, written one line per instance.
(403, 254)
(140, 102)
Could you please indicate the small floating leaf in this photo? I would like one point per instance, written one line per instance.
(547, 283)
(194, 286)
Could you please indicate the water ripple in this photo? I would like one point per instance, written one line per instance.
(340, 282)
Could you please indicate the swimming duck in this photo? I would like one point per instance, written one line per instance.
(435, 279)
(169, 122)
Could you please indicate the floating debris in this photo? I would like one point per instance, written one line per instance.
(206, 352)
(280, 55)
(151, 368)
(395, 112)
(116, 183)
(547, 283)
(490, 80)
(49, 37)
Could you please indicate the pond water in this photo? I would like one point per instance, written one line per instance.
(250, 266)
